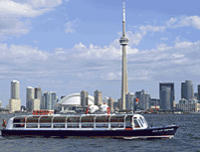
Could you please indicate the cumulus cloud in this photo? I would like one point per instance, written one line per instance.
(105, 62)
(14, 14)
(193, 21)
(174, 22)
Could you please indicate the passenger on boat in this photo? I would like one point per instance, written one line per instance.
(4, 123)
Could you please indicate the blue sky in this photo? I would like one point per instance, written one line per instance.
(69, 45)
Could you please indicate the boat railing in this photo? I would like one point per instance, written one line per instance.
(105, 121)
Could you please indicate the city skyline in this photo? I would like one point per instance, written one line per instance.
(67, 46)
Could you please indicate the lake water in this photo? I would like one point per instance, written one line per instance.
(187, 139)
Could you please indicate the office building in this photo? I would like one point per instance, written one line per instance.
(167, 96)
(144, 100)
(84, 98)
(198, 89)
(35, 104)
(187, 91)
(111, 104)
(155, 103)
(15, 102)
(29, 97)
(130, 102)
(49, 100)
(98, 98)
(188, 105)
(38, 95)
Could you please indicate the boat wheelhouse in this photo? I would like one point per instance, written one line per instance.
(92, 125)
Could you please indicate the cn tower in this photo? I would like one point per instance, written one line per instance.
(124, 42)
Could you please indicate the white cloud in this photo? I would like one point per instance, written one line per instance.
(14, 14)
(193, 21)
(173, 22)
(70, 26)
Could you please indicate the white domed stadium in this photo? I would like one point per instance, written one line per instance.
(74, 100)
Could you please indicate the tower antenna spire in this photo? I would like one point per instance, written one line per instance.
(124, 11)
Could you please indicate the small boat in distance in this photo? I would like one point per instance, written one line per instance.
(127, 126)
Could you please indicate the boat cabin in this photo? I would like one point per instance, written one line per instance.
(79, 122)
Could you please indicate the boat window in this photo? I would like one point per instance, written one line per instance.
(101, 125)
(45, 125)
(73, 119)
(87, 125)
(19, 120)
(59, 119)
(59, 125)
(45, 119)
(129, 121)
(31, 125)
(18, 125)
(141, 124)
(102, 119)
(117, 125)
(33, 119)
(142, 120)
(87, 119)
(136, 123)
(117, 119)
(73, 125)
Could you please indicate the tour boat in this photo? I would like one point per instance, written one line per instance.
(127, 126)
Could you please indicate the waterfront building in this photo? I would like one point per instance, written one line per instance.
(188, 105)
(130, 102)
(111, 104)
(29, 97)
(124, 43)
(198, 89)
(35, 104)
(49, 100)
(38, 95)
(84, 98)
(98, 98)
(15, 102)
(144, 100)
(165, 99)
(187, 91)
(15, 89)
(167, 96)
(155, 102)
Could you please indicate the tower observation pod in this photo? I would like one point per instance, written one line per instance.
(124, 42)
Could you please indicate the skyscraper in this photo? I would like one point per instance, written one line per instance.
(124, 42)
(84, 98)
(167, 96)
(98, 97)
(49, 100)
(14, 102)
(111, 104)
(15, 90)
(38, 95)
(198, 88)
(144, 99)
(130, 102)
(187, 90)
(29, 98)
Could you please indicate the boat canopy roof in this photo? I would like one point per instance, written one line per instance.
(73, 118)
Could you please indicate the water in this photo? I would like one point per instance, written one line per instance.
(186, 139)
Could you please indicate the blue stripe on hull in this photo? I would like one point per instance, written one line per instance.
(162, 131)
